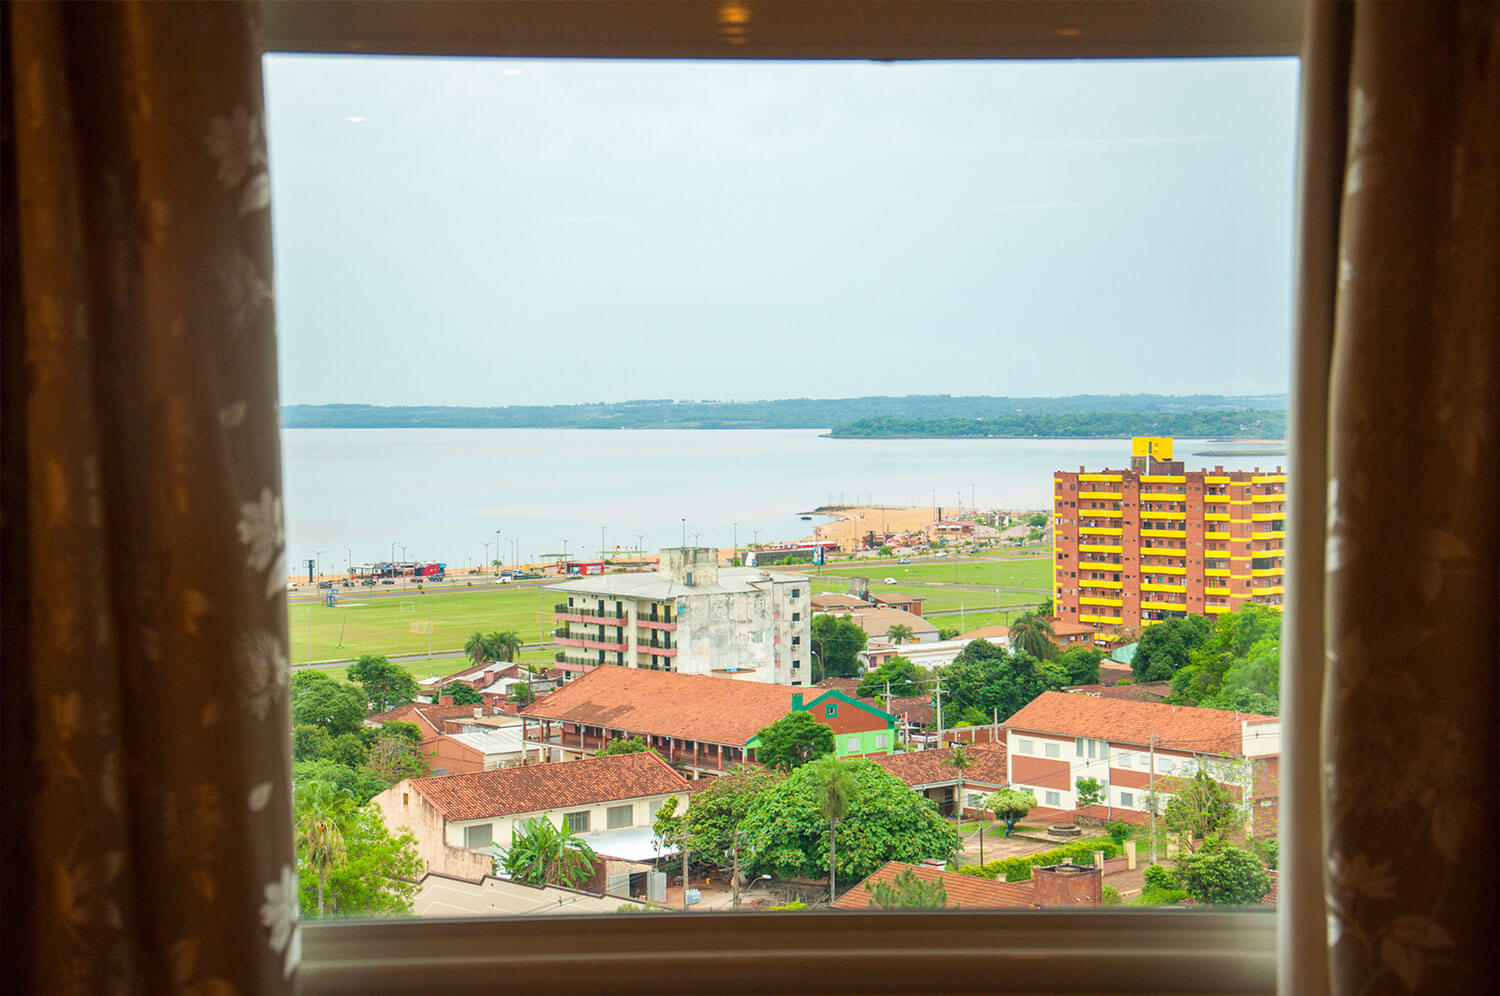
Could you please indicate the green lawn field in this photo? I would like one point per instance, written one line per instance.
(1015, 572)
(420, 668)
(371, 623)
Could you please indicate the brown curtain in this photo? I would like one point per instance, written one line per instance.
(146, 767)
(1393, 691)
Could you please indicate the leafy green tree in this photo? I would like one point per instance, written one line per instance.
(393, 757)
(785, 832)
(993, 681)
(462, 694)
(625, 745)
(309, 743)
(541, 854)
(899, 671)
(905, 891)
(347, 748)
(1200, 809)
(522, 693)
(899, 633)
(1237, 665)
(361, 784)
(1081, 664)
(949, 632)
(1046, 608)
(1225, 875)
(836, 643)
(792, 741)
(322, 810)
(886, 551)
(334, 707)
(409, 732)
(379, 873)
(960, 761)
(1165, 646)
(719, 810)
(1037, 520)
(1032, 634)
(1010, 806)
(477, 647)
(386, 685)
(1090, 792)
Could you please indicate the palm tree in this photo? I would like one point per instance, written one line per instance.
(503, 645)
(541, 854)
(899, 633)
(836, 785)
(962, 760)
(477, 647)
(321, 806)
(1033, 634)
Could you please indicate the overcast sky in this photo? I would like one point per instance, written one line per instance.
(487, 232)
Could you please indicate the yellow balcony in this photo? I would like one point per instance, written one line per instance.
(1169, 606)
(1272, 590)
(1097, 548)
(1270, 534)
(1164, 551)
(1269, 479)
(1276, 552)
(1175, 533)
(1176, 588)
(1266, 572)
(1100, 531)
(1216, 479)
(1164, 569)
(1101, 478)
(1216, 535)
(1101, 513)
(1215, 499)
(1096, 600)
(1101, 495)
(1216, 516)
(1163, 478)
(1116, 585)
(1108, 620)
(1214, 610)
(1164, 515)
(1217, 572)
(1279, 496)
(1216, 591)
(1267, 516)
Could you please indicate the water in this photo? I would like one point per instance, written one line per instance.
(363, 494)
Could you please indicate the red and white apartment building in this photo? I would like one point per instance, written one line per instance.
(1135, 749)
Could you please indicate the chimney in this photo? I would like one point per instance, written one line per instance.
(478, 711)
(445, 700)
(489, 677)
(1068, 885)
(796, 702)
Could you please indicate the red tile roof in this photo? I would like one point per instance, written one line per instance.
(537, 788)
(427, 718)
(1124, 721)
(1146, 691)
(687, 706)
(928, 767)
(968, 892)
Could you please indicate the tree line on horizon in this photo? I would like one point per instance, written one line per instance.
(1219, 424)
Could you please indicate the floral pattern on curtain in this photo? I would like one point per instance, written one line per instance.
(1411, 635)
(145, 645)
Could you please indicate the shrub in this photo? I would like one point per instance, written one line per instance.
(1110, 896)
(1159, 897)
(1119, 831)
(1162, 877)
(1225, 875)
(1018, 869)
(795, 905)
(1266, 850)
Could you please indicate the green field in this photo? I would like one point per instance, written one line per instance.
(367, 623)
(422, 668)
(1016, 572)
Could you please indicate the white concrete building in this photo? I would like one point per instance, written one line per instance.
(691, 617)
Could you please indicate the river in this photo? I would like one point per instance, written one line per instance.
(441, 493)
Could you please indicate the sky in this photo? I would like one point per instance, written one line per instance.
(493, 232)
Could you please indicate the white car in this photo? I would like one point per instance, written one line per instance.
(890, 580)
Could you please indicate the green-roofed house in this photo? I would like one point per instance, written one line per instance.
(860, 728)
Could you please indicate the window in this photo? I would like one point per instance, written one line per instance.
(1127, 799)
(651, 808)
(1027, 747)
(578, 822)
(616, 817)
(1052, 749)
(1051, 799)
(830, 710)
(852, 744)
(1122, 759)
(479, 836)
(880, 741)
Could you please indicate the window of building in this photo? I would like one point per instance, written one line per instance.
(831, 710)
(578, 822)
(616, 817)
(1052, 749)
(1051, 799)
(478, 836)
(852, 744)
(1027, 747)
(880, 741)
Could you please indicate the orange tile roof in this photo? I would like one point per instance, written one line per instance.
(927, 767)
(965, 891)
(537, 788)
(1146, 691)
(1124, 721)
(666, 704)
(425, 716)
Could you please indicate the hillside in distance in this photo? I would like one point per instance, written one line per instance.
(1068, 416)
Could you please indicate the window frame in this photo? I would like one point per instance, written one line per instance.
(947, 950)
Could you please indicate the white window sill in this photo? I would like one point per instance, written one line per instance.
(1095, 951)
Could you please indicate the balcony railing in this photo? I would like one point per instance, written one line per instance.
(564, 609)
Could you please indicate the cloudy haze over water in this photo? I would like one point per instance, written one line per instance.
(484, 232)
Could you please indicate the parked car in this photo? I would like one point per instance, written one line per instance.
(388, 581)
(325, 584)
(890, 580)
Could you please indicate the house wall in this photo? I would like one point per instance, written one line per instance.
(501, 827)
(446, 756)
(403, 806)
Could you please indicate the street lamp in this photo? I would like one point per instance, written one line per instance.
(486, 560)
(394, 544)
(318, 569)
(497, 550)
(348, 562)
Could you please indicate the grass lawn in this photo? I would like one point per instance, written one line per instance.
(423, 668)
(1016, 572)
(371, 623)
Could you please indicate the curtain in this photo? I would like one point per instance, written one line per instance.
(146, 760)
(1389, 864)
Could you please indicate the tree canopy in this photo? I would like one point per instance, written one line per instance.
(462, 694)
(905, 891)
(991, 680)
(541, 854)
(498, 645)
(1200, 809)
(1010, 806)
(1237, 666)
(717, 811)
(350, 863)
(1224, 875)
(1081, 664)
(899, 671)
(625, 745)
(899, 633)
(385, 685)
(836, 643)
(785, 832)
(792, 741)
(1032, 633)
(332, 706)
(1164, 647)
(393, 757)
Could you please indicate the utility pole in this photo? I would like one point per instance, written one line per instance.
(734, 849)
(497, 549)
(939, 694)
(601, 542)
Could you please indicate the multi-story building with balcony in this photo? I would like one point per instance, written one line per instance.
(1152, 542)
(690, 617)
